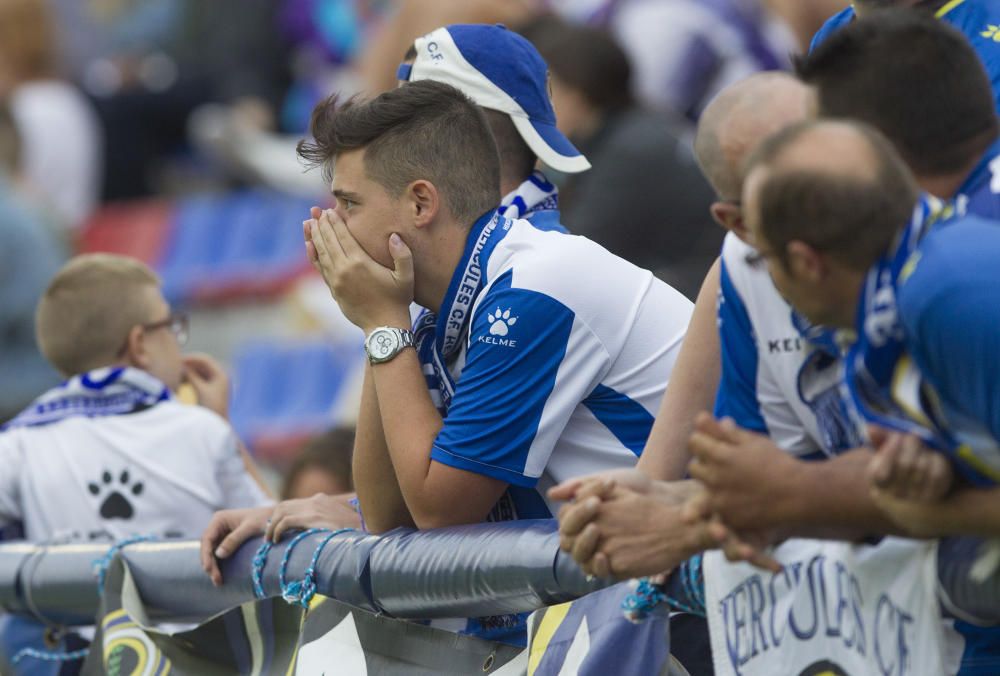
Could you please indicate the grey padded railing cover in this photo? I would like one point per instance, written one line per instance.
(464, 571)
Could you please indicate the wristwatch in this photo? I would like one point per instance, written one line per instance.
(386, 342)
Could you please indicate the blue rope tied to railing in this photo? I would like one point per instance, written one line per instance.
(286, 557)
(640, 603)
(257, 570)
(696, 578)
(693, 585)
(50, 656)
(302, 591)
(102, 564)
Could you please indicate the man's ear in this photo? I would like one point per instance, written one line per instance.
(805, 262)
(730, 217)
(426, 202)
(136, 353)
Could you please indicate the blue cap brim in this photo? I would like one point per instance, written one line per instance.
(551, 146)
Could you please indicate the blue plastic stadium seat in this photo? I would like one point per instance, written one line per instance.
(284, 391)
(247, 243)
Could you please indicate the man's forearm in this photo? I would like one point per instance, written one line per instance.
(410, 423)
(967, 511)
(973, 511)
(381, 500)
(831, 499)
(693, 383)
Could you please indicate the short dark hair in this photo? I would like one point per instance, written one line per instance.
(517, 159)
(587, 59)
(930, 6)
(852, 217)
(914, 78)
(421, 130)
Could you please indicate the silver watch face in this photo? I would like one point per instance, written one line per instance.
(383, 344)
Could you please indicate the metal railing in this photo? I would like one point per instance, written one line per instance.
(463, 571)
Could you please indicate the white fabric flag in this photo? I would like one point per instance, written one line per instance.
(836, 608)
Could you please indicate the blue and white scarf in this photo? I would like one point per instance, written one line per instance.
(441, 338)
(536, 194)
(101, 392)
(821, 380)
(880, 376)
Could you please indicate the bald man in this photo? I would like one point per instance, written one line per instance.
(762, 386)
(737, 120)
(773, 383)
(837, 217)
(835, 493)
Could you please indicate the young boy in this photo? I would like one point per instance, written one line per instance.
(110, 452)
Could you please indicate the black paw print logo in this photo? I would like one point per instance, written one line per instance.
(115, 504)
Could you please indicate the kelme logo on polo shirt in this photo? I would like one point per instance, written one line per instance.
(500, 323)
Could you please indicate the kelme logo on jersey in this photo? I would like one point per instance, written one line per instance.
(500, 323)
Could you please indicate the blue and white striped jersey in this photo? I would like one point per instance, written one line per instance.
(568, 355)
(772, 378)
(776, 382)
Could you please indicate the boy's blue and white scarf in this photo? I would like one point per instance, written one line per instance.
(441, 338)
(839, 408)
(101, 392)
(535, 195)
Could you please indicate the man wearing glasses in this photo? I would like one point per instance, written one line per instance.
(110, 452)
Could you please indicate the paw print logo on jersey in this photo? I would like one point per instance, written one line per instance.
(500, 323)
(115, 495)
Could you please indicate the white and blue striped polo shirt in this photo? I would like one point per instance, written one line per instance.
(773, 380)
(568, 355)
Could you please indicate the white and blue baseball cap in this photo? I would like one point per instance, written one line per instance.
(502, 71)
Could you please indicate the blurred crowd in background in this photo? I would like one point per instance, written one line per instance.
(165, 130)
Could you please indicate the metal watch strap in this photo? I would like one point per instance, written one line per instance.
(404, 337)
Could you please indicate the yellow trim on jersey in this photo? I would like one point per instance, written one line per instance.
(909, 266)
(966, 453)
(903, 368)
(947, 8)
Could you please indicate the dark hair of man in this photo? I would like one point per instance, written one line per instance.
(517, 160)
(915, 79)
(851, 217)
(587, 59)
(421, 130)
(926, 5)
